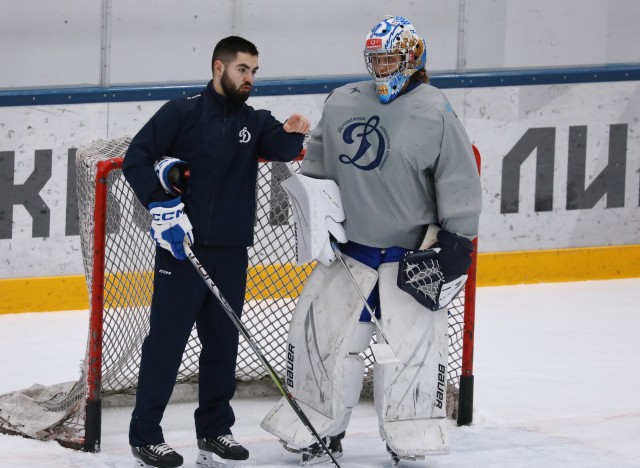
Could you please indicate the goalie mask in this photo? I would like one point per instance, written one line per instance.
(393, 52)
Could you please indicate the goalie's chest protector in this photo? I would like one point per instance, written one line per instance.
(379, 155)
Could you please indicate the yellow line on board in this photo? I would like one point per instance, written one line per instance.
(553, 266)
(43, 294)
(494, 269)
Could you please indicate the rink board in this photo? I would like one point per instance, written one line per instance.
(573, 150)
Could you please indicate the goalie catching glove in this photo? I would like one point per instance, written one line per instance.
(435, 276)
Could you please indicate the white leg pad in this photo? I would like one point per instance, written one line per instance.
(353, 370)
(361, 338)
(319, 341)
(410, 395)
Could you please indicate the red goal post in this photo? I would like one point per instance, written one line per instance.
(118, 256)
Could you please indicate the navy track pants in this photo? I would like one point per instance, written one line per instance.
(181, 299)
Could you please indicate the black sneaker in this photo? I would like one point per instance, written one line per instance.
(224, 447)
(315, 453)
(156, 456)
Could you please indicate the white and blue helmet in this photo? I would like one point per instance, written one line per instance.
(393, 52)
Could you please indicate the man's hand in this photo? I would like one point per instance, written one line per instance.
(297, 124)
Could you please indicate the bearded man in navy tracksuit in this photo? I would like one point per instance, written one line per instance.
(220, 138)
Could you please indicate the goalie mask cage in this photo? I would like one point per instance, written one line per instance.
(118, 257)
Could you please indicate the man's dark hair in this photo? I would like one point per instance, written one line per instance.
(227, 49)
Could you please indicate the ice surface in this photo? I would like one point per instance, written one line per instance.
(557, 384)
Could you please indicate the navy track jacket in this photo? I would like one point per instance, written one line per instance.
(221, 143)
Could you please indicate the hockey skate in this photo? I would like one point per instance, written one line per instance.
(314, 454)
(156, 456)
(220, 452)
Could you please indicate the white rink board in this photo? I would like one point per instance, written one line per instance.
(496, 119)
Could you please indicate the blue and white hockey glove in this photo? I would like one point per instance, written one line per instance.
(435, 276)
(174, 176)
(170, 226)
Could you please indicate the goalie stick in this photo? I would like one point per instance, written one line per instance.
(254, 346)
(381, 352)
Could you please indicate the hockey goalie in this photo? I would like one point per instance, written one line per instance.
(388, 159)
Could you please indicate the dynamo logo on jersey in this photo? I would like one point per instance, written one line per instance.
(369, 141)
(244, 135)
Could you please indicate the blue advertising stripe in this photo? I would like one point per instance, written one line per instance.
(319, 85)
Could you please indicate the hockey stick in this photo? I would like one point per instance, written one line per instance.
(381, 352)
(247, 336)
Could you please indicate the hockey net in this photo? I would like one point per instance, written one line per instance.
(118, 256)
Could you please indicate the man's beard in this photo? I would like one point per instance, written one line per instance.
(232, 93)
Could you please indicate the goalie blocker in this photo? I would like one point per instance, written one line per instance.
(318, 215)
(435, 276)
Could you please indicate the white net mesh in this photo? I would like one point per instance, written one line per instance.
(273, 285)
(425, 277)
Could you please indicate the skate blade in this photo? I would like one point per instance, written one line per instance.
(320, 458)
(211, 460)
(140, 464)
(383, 354)
(323, 457)
(315, 460)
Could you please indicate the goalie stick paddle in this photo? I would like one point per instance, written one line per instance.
(247, 336)
(381, 352)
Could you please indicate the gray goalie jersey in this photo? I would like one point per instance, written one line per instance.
(400, 166)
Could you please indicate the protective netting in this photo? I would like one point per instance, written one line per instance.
(272, 288)
(422, 277)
